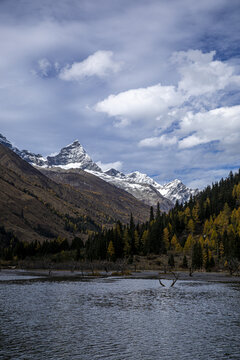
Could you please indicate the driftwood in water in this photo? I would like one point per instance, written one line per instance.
(161, 282)
(173, 282)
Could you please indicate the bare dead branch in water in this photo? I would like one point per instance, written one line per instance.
(173, 282)
(161, 282)
(176, 278)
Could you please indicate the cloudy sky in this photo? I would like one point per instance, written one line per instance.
(148, 85)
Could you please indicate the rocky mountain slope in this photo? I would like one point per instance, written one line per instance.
(146, 189)
(34, 159)
(34, 207)
(139, 185)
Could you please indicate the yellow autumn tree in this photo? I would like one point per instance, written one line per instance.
(188, 244)
(166, 238)
(221, 222)
(191, 226)
(213, 239)
(110, 250)
(196, 212)
(144, 240)
(187, 215)
(201, 241)
(235, 218)
(206, 227)
(169, 228)
(206, 203)
(226, 210)
(221, 250)
(236, 193)
(175, 244)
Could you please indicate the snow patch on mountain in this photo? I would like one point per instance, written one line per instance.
(34, 159)
(177, 191)
(173, 191)
(73, 156)
(143, 187)
(135, 185)
(140, 178)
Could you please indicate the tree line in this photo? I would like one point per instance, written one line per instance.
(205, 230)
(13, 249)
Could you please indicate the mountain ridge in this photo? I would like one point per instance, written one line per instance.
(141, 186)
(34, 206)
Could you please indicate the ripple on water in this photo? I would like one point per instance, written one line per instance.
(119, 320)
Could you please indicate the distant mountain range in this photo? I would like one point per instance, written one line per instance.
(73, 157)
(34, 206)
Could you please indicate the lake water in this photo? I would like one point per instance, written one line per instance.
(118, 319)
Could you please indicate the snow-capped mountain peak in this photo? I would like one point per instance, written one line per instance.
(140, 178)
(72, 156)
(75, 142)
(143, 187)
(174, 182)
(177, 191)
(133, 182)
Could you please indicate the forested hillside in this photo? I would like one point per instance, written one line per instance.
(205, 231)
(202, 233)
(39, 216)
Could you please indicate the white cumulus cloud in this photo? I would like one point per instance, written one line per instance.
(221, 124)
(141, 103)
(99, 64)
(201, 74)
(201, 78)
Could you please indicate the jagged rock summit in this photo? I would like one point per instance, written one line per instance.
(70, 157)
(177, 191)
(73, 156)
(141, 186)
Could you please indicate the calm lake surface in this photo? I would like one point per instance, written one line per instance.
(118, 319)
